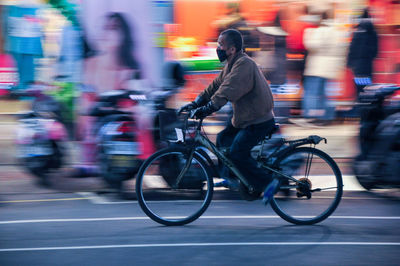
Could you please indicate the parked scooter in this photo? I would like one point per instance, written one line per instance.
(42, 132)
(120, 142)
(120, 145)
(378, 164)
(42, 136)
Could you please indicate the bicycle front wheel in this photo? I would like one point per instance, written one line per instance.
(317, 191)
(171, 190)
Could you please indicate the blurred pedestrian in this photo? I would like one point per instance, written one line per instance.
(362, 52)
(295, 39)
(277, 75)
(325, 60)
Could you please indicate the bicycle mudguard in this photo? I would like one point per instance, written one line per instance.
(292, 144)
(313, 139)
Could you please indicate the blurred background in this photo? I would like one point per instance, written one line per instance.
(83, 84)
(41, 39)
(44, 39)
(82, 48)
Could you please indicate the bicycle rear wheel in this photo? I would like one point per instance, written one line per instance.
(317, 191)
(169, 201)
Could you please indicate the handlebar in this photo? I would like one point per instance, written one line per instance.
(190, 115)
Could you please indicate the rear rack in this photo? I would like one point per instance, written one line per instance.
(313, 139)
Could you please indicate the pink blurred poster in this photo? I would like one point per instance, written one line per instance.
(117, 52)
(118, 40)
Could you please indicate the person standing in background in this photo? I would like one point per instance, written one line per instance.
(325, 60)
(23, 39)
(295, 39)
(362, 52)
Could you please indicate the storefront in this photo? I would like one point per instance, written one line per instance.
(197, 24)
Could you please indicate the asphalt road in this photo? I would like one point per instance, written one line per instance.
(73, 227)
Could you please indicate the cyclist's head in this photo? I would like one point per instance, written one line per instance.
(233, 38)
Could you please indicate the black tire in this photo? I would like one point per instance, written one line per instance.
(363, 171)
(367, 185)
(40, 165)
(305, 204)
(167, 204)
(115, 177)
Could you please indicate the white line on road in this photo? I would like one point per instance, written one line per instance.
(105, 201)
(206, 244)
(93, 197)
(179, 217)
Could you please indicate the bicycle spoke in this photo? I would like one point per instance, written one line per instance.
(308, 164)
(314, 171)
(322, 189)
(174, 189)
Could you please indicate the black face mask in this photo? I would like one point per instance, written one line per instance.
(221, 55)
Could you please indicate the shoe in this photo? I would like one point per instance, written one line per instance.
(228, 183)
(223, 183)
(270, 190)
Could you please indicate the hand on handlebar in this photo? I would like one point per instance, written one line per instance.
(187, 107)
(198, 102)
(203, 111)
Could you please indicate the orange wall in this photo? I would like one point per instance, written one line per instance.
(195, 17)
(259, 10)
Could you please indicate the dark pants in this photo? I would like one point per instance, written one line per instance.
(240, 142)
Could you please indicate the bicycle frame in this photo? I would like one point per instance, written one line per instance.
(205, 142)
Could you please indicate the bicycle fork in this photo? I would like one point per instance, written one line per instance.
(185, 168)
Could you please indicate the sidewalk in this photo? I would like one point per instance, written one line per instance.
(342, 137)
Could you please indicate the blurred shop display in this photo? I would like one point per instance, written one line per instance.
(197, 24)
(23, 39)
(8, 74)
(31, 33)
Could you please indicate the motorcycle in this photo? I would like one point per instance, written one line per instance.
(121, 141)
(378, 164)
(43, 134)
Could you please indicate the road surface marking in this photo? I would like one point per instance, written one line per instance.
(41, 200)
(94, 198)
(156, 245)
(97, 199)
(106, 201)
(180, 217)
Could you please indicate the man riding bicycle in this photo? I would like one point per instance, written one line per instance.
(242, 83)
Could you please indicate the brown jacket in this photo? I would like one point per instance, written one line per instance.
(242, 83)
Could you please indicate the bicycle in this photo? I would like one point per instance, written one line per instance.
(290, 162)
